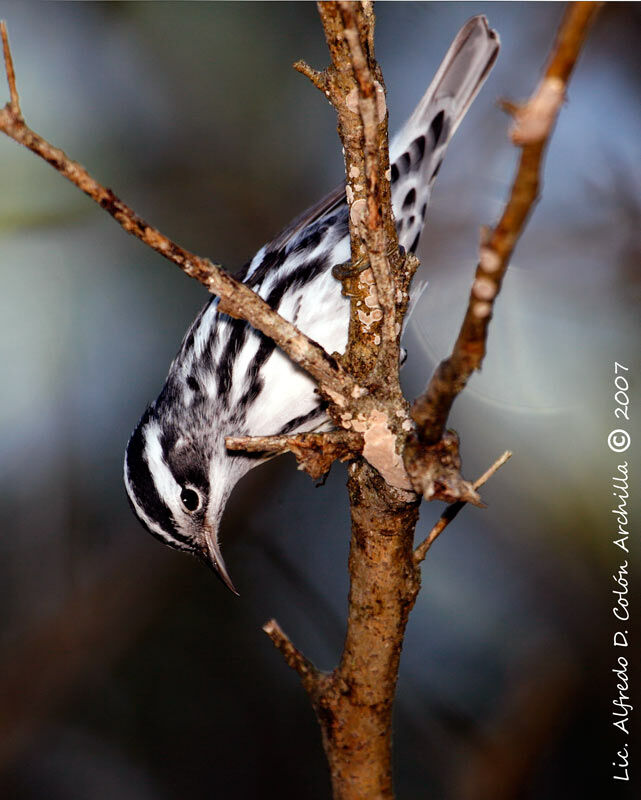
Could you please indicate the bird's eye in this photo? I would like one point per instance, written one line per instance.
(190, 499)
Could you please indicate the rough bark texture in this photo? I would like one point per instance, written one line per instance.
(355, 711)
(315, 452)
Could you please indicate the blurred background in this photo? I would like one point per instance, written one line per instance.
(126, 669)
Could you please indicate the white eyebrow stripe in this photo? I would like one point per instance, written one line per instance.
(152, 526)
(165, 482)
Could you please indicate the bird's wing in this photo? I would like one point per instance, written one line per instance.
(329, 203)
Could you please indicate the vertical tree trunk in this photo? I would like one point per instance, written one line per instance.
(355, 707)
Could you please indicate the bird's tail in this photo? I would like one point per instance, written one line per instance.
(417, 151)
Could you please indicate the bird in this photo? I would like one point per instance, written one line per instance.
(229, 379)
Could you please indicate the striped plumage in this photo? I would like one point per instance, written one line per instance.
(228, 379)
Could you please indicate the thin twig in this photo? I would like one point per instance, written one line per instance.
(307, 672)
(317, 77)
(14, 104)
(451, 511)
(282, 444)
(532, 129)
(315, 452)
(236, 299)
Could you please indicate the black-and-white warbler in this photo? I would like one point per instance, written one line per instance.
(228, 379)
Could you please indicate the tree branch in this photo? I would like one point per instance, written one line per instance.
(378, 279)
(451, 511)
(315, 452)
(531, 131)
(307, 672)
(378, 292)
(14, 105)
(368, 99)
(236, 299)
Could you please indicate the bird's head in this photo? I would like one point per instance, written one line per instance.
(178, 484)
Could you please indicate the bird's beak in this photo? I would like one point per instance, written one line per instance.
(212, 556)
